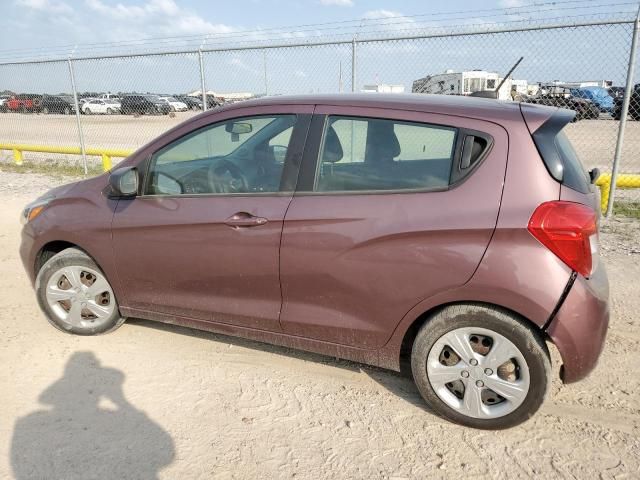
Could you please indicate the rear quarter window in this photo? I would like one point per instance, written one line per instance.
(558, 154)
(574, 175)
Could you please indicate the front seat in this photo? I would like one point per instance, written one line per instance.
(382, 143)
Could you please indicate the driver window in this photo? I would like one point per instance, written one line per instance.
(241, 155)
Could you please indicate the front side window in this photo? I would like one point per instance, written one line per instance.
(242, 155)
(365, 154)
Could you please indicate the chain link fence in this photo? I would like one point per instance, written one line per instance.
(122, 102)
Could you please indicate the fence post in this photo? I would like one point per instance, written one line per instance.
(266, 82)
(353, 64)
(623, 116)
(78, 122)
(17, 156)
(202, 81)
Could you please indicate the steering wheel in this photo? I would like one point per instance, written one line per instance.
(226, 177)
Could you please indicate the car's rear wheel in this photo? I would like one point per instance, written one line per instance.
(76, 296)
(109, 111)
(480, 366)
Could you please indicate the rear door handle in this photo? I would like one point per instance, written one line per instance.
(244, 219)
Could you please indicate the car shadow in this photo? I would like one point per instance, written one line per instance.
(399, 383)
(89, 430)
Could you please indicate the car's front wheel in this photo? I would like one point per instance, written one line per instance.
(480, 366)
(76, 296)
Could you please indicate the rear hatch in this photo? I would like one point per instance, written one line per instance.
(548, 130)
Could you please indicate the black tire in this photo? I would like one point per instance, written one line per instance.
(528, 340)
(68, 258)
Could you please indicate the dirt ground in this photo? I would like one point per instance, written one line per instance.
(160, 401)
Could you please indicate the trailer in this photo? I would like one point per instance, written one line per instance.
(463, 83)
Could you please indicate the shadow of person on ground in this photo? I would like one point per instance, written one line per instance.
(90, 431)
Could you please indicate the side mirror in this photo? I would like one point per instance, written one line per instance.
(124, 182)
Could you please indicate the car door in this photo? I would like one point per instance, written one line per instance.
(202, 240)
(385, 216)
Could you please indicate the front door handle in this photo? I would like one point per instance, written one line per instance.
(244, 219)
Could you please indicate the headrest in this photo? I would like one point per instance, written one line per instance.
(332, 147)
(382, 141)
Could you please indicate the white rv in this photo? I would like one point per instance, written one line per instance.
(383, 88)
(462, 83)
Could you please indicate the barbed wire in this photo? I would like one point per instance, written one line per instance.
(398, 25)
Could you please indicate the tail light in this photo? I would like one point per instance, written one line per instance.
(570, 231)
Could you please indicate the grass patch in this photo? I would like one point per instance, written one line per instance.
(627, 209)
(52, 169)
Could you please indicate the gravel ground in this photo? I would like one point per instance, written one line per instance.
(156, 401)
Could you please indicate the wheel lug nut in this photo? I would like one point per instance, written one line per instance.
(488, 371)
(479, 383)
(464, 373)
(473, 362)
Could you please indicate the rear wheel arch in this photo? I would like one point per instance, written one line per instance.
(413, 329)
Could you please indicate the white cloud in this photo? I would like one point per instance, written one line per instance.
(378, 14)
(51, 6)
(339, 3)
(238, 63)
(512, 3)
(159, 16)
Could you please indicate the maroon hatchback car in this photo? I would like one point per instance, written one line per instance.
(461, 233)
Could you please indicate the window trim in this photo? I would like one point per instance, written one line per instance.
(307, 177)
(293, 158)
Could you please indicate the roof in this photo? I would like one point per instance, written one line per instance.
(475, 107)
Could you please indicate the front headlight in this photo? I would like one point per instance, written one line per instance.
(34, 209)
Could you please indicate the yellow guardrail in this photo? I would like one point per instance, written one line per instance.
(105, 153)
(623, 180)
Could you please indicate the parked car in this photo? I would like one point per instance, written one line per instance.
(599, 96)
(213, 102)
(144, 104)
(110, 96)
(367, 227)
(616, 92)
(24, 102)
(100, 106)
(57, 104)
(191, 102)
(634, 105)
(175, 104)
(561, 97)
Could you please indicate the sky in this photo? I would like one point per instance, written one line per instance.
(88, 27)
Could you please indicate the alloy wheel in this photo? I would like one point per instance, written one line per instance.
(80, 296)
(478, 372)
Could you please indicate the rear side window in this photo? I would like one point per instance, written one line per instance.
(371, 154)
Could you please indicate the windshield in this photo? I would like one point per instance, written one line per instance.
(153, 98)
(111, 101)
(170, 99)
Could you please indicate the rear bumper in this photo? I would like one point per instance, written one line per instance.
(580, 326)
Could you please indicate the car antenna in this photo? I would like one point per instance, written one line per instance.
(494, 93)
